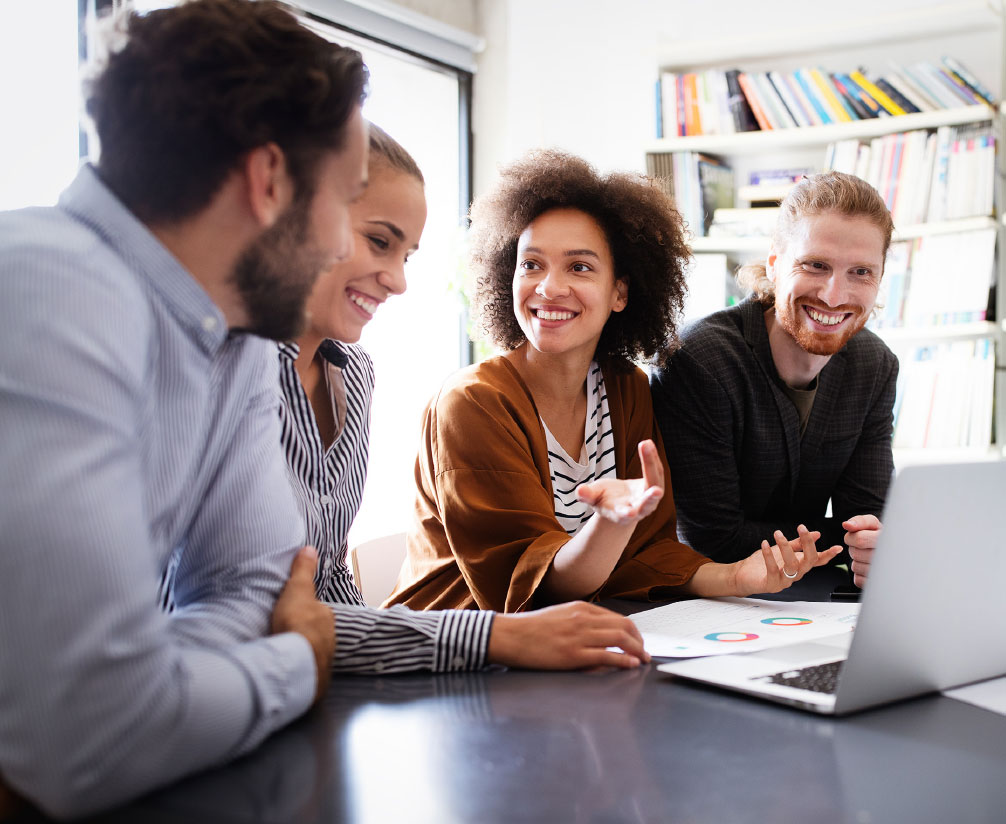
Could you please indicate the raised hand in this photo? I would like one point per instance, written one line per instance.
(566, 636)
(625, 501)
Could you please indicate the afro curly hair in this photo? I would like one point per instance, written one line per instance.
(644, 232)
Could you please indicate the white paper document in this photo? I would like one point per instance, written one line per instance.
(989, 695)
(717, 626)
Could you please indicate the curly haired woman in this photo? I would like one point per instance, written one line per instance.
(523, 498)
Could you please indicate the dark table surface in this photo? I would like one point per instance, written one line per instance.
(633, 746)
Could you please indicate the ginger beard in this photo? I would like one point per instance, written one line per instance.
(793, 318)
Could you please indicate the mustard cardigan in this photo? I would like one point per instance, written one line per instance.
(484, 530)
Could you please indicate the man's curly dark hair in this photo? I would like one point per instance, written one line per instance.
(187, 91)
(643, 229)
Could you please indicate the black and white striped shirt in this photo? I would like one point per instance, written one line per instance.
(596, 459)
(329, 486)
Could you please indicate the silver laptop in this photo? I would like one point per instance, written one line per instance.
(933, 612)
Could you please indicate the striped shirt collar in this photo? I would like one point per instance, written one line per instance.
(331, 350)
(92, 203)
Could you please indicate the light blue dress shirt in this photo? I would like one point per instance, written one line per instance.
(136, 434)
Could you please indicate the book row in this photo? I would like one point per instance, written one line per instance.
(937, 280)
(923, 176)
(699, 184)
(729, 101)
(944, 395)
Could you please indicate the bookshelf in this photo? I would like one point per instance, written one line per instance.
(747, 143)
(922, 33)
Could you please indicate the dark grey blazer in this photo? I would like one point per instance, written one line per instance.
(739, 468)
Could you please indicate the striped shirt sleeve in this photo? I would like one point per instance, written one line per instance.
(329, 484)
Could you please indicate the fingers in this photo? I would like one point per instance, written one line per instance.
(860, 565)
(589, 493)
(858, 522)
(567, 636)
(653, 468)
(303, 568)
(790, 564)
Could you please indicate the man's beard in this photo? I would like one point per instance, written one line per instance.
(276, 273)
(819, 343)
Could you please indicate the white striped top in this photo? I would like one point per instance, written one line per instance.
(596, 459)
(329, 486)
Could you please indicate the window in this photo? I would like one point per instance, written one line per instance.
(40, 99)
(417, 339)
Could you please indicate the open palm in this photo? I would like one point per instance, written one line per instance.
(627, 500)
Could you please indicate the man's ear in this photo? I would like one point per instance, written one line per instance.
(270, 189)
(773, 256)
(622, 294)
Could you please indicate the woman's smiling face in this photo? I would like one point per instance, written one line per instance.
(387, 222)
(564, 284)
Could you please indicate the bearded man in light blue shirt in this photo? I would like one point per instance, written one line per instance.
(138, 401)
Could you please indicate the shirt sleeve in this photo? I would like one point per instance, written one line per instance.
(105, 697)
(399, 640)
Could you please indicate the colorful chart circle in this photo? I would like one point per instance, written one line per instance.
(781, 621)
(731, 637)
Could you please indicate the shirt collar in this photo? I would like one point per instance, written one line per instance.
(331, 350)
(91, 202)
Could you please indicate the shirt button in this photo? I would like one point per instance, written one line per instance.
(326, 500)
(379, 666)
(458, 662)
(209, 323)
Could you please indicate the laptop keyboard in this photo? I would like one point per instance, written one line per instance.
(819, 678)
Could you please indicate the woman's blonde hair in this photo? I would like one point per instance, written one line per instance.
(826, 192)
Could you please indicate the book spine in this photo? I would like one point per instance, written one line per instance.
(660, 113)
(862, 112)
(682, 131)
(744, 119)
(667, 104)
(693, 125)
(967, 77)
(793, 107)
(897, 79)
(896, 96)
(920, 74)
(960, 87)
(876, 93)
(773, 106)
(752, 97)
(810, 89)
(875, 109)
(840, 114)
(797, 91)
(721, 98)
(952, 93)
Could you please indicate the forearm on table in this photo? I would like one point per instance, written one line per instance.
(584, 562)
(399, 639)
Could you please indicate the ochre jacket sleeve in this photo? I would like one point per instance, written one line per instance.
(485, 531)
(655, 563)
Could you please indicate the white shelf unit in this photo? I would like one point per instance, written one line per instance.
(759, 244)
(744, 143)
(924, 31)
